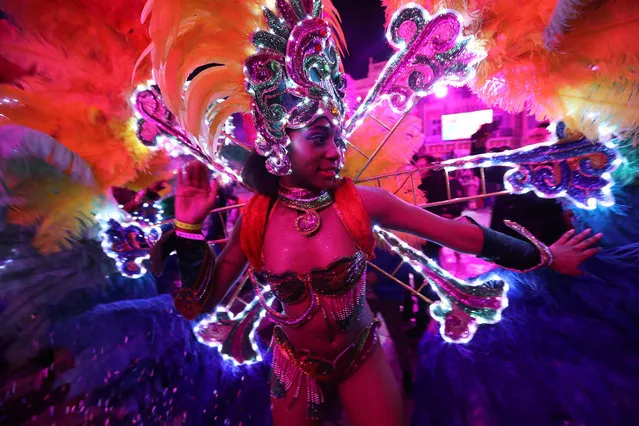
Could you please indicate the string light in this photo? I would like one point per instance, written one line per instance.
(441, 91)
(8, 260)
(224, 318)
(403, 79)
(579, 170)
(462, 305)
(169, 136)
(128, 241)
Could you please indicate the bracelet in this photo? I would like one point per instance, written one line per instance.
(190, 235)
(544, 251)
(188, 226)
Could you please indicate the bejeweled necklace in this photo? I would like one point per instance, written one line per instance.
(307, 203)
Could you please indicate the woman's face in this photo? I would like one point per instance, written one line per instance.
(315, 155)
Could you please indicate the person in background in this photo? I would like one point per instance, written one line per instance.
(433, 185)
(470, 184)
(524, 208)
(494, 176)
(479, 140)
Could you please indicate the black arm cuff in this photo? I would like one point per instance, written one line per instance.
(191, 255)
(196, 262)
(508, 252)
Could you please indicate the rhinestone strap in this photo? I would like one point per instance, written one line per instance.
(323, 200)
(297, 192)
(544, 251)
(190, 235)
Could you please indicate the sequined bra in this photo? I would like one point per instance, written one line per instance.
(337, 290)
(336, 279)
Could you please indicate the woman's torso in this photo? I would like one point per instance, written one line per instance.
(285, 250)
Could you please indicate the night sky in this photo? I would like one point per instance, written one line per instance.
(363, 24)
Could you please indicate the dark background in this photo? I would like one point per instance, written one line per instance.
(363, 25)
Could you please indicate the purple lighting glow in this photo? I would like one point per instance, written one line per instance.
(441, 91)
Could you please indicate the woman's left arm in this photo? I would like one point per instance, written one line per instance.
(388, 211)
(391, 212)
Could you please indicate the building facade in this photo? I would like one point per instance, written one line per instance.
(512, 132)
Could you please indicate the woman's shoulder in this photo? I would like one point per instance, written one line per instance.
(255, 212)
(372, 196)
(366, 191)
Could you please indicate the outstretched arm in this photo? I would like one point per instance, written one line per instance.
(388, 211)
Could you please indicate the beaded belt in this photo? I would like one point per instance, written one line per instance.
(307, 373)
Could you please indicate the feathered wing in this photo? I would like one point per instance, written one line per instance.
(394, 157)
(190, 34)
(60, 208)
(586, 80)
(588, 77)
(564, 16)
(113, 342)
(75, 59)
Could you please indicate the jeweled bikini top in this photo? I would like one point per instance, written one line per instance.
(335, 279)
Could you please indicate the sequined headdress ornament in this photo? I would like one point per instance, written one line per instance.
(294, 78)
(279, 59)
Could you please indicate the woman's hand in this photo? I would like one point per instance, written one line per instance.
(195, 195)
(571, 250)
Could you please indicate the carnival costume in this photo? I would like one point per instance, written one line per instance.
(135, 360)
(336, 292)
(293, 78)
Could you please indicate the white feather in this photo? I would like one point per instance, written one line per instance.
(19, 141)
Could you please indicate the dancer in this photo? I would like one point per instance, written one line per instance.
(308, 234)
(144, 340)
(327, 335)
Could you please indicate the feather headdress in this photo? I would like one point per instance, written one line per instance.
(277, 59)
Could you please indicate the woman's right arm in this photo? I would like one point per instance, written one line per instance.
(205, 279)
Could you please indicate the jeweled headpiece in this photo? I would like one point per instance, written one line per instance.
(278, 59)
(294, 78)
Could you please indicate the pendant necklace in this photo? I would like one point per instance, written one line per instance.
(307, 203)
